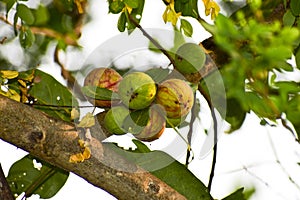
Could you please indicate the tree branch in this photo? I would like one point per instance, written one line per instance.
(54, 141)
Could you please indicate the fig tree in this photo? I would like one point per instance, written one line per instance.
(189, 58)
(137, 90)
(176, 96)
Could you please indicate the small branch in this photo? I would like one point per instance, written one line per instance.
(190, 133)
(47, 32)
(215, 149)
(154, 42)
(280, 164)
(5, 192)
(71, 81)
(54, 141)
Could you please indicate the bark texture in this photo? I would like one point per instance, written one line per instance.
(54, 141)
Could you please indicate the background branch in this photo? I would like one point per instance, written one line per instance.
(54, 141)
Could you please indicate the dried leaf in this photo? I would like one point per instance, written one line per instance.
(87, 121)
(74, 113)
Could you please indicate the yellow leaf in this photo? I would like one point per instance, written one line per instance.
(170, 14)
(74, 113)
(80, 5)
(87, 121)
(8, 74)
(211, 8)
(12, 94)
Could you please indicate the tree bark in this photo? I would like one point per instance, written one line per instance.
(54, 141)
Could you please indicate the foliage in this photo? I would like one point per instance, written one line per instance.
(256, 43)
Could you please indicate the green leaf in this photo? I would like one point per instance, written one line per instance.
(288, 18)
(295, 7)
(237, 195)
(116, 6)
(167, 169)
(96, 92)
(132, 3)
(46, 182)
(26, 37)
(41, 15)
(235, 114)
(50, 94)
(297, 57)
(9, 4)
(122, 22)
(186, 27)
(141, 147)
(136, 121)
(187, 8)
(25, 14)
(158, 74)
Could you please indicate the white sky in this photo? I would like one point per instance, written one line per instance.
(245, 157)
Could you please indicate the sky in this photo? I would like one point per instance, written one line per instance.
(254, 156)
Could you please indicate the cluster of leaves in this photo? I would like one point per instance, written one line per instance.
(36, 27)
(258, 54)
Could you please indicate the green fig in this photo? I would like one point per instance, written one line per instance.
(147, 124)
(114, 118)
(137, 90)
(189, 58)
(104, 78)
(176, 96)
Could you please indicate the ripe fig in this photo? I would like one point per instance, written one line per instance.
(154, 126)
(104, 78)
(189, 58)
(113, 120)
(137, 90)
(176, 96)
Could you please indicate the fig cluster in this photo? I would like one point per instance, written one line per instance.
(136, 104)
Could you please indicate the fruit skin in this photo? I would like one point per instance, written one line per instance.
(176, 96)
(104, 78)
(137, 90)
(113, 120)
(155, 126)
(189, 58)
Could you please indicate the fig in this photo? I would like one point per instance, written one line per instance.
(114, 118)
(176, 96)
(104, 78)
(147, 124)
(137, 90)
(189, 58)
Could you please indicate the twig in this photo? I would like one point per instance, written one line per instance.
(190, 133)
(154, 42)
(280, 164)
(285, 125)
(72, 83)
(45, 31)
(5, 192)
(215, 149)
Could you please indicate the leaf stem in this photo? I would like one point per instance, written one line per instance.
(190, 133)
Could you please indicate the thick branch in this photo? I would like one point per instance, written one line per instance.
(54, 141)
